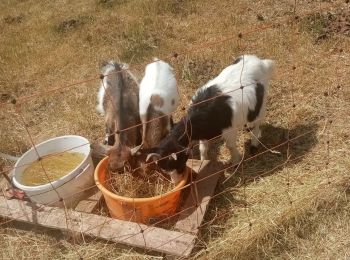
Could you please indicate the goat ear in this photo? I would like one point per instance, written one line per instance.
(174, 156)
(153, 157)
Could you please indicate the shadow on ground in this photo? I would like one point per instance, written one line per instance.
(257, 165)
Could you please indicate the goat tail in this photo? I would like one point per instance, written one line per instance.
(269, 66)
(109, 65)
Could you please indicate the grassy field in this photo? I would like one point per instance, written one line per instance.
(290, 206)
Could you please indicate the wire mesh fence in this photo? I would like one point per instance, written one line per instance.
(234, 176)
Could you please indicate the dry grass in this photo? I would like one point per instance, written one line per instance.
(134, 185)
(274, 209)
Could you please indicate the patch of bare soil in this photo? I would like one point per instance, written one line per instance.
(327, 25)
(340, 25)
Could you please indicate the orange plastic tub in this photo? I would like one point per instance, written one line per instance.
(142, 210)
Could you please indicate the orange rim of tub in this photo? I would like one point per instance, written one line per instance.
(143, 210)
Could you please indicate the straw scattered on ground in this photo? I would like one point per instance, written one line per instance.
(292, 206)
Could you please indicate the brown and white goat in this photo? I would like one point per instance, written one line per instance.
(158, 98)
(118, 102)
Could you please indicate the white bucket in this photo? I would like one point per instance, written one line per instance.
(71, 186)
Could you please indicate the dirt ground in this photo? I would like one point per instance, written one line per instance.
(289, 206)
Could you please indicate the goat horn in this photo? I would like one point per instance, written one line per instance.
(149, 156)
(136, 149)
(174, 156)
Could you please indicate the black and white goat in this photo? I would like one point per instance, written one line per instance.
(118, 102)
(236, 98)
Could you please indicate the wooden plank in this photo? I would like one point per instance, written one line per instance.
(200, 193)
(4, 184)
(90, 204)
(98, 152)
(123, 232)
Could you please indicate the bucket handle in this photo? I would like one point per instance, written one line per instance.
(82, 170)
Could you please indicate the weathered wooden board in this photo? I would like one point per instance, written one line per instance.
(195, 206)
(128, 233)
(89, 204)
(98, 152)
(123, 232)
(4, 182)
